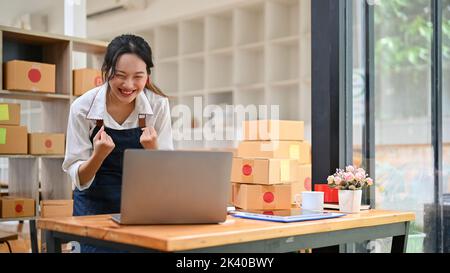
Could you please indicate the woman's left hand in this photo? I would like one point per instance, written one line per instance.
(149, 138)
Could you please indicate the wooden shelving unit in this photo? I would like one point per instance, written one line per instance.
(255, 53)
(42, 112)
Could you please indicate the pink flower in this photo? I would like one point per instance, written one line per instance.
(369, 181)
(349, 176)
(350, 169)
(360, 176)
(361, 170)
(337, 180)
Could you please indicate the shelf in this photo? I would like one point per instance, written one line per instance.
(24, 95)
(28, 36)
(189, 93)
(285, 83)
(219, 70)
(190, 101)
(197, 55)
(284, 60)
(26, 47)
(173, 101)
(18, 219)
(221, 98)
(219, 30)
(250, 54)
(250, 66)
(149, 37)
(290, 40)
(192, 36)
(258, 46)
(219, 90)
(86, 46)
(250, 99)
(223, 50)
(167, 60)
(166, 76)
(250, 87)
(43, 112)
(166, 41)
(287, 97)
(249, 24)
(283, 18)
(192, 74)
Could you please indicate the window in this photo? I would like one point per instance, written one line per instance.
(446, 95)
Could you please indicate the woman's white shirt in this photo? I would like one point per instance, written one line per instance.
(91, 106)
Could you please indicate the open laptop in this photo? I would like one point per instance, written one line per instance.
(174, 187)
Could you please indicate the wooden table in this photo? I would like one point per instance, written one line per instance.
(234, 235)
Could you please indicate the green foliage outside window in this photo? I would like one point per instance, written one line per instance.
(407, 33)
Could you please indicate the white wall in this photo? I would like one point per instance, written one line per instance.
(157, 12)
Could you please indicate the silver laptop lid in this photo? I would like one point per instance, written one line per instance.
(175, 187)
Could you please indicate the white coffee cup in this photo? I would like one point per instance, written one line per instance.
(310, 200)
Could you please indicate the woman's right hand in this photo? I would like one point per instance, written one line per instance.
(103, 144)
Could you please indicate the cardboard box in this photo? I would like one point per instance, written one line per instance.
(13, 207)
(272, 197)
(85, 79)
(10, 114)
(13, 139)
(273, 130)
(46, 144)
(30, 76)
(56, 208)
(264, 171)
(297, 150)
(303, 183)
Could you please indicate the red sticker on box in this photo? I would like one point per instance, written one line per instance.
(34, 75)
(247, 170)
(268, 212)
(307, 183)
(98, 81)
(48, 143)
(268, 197)
(19, 208)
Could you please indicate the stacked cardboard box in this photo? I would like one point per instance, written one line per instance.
(56, 208)
(13, 137)
(273, 164)
(30, 76)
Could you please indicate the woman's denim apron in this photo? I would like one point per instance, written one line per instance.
(104, 194)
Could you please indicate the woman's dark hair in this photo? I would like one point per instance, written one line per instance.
(128, 43)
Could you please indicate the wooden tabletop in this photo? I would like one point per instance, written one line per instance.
(233, 230)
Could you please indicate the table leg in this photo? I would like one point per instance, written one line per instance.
(53, 243)
(399, 243)
(33, 237)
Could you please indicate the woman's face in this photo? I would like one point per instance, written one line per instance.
(130, 78)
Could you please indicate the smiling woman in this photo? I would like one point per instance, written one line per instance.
(127, 112)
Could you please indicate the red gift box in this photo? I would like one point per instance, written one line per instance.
(330, 194)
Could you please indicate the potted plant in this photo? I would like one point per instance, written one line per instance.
(349, 183)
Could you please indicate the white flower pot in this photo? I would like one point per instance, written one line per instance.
(350, 201)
